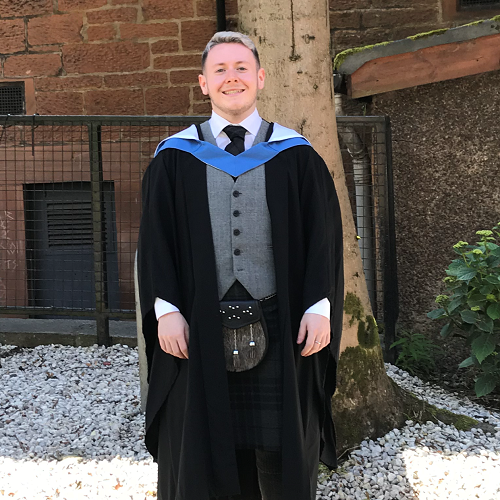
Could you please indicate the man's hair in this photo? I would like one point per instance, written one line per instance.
(229, 37)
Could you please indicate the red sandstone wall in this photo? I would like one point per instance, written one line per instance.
(355, 23)
(124, 57)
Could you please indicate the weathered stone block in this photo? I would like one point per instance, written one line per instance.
(147, 79)
(196, 34)
(64, 28)
(164, 47)
(19, 8)
(173, 9)
(68, 83)
(33, 65)
(101, 32)
(167, 101)
(106, 57)
(12, 36)
(177, 61)
(59, 103)
(148, 30)
(121, 14)
(178, 77)
(114, 102)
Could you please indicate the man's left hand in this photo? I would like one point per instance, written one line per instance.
(315, 329)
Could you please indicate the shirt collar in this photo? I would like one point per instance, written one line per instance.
(251, 123)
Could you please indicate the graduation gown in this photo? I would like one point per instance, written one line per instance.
(176, 262)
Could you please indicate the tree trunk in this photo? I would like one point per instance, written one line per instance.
(293, 40)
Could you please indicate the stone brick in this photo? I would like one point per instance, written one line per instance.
(347, 39)
(63, 28)
(68, 83)
(106, 57)
(204, 108)
(231, 7)
(397, 17)
(124, 2)
(19, 8)
(195, 34)
(101, 32)
(350, 4)
(147, 79)
(167, 101)
(384, 4)
(119, 15)
(114, 102)
(69, 5)
(206, 8)
(148, 30)
(33, 65)
(345, 19)
(198, 95)
(59, 103)
(171, 9)
(177, 61)
(403, 32)
(164, 47)
(181, 76)
(12, 36)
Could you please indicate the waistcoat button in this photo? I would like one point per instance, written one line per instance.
(236, 194)
(236, 213)
(237, 251)
(236, 232)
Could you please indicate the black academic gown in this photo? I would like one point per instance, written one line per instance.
(176, 262)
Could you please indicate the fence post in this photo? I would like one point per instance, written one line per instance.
(99, 233)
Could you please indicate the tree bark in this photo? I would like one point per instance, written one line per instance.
(293, 40)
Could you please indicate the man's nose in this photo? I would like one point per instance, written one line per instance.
(231, 75)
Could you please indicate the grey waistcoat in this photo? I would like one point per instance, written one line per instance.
(241, 226)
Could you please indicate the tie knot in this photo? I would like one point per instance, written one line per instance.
(235, 131)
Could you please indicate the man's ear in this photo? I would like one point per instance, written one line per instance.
(261, 76)
(203, 84)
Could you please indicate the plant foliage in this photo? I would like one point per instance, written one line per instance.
(471, 305)
(415, 352)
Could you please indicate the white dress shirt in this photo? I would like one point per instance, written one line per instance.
(252, 124)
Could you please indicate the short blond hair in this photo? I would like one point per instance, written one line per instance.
(229, 37)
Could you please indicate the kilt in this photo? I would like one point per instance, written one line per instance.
(256, 395)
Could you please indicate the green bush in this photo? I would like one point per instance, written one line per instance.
(416, 353)
(471, 305)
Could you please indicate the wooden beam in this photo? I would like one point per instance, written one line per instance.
(428, 65)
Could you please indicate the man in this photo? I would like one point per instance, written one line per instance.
(239, 209)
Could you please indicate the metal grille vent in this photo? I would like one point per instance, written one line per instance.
(12, 100)
(478, 4)
(69, 223)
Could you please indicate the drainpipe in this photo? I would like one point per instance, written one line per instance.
(221, 15)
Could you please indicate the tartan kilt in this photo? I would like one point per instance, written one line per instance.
(256, 395)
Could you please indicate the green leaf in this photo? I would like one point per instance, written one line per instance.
(447, 329)
(493, 311)
(466, 275)
(456, 267)
(466, 362)
(469, 316)
(454, 303)
(436, 313)
(486, 289)
(483, 346)
(492, 279)
(485, 324)
(485, 384)
(398, 342)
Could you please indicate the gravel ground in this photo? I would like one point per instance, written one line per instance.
(70, 428)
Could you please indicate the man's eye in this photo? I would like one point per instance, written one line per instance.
(219, 70)
(242, 68)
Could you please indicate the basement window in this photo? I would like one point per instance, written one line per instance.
(12, 98)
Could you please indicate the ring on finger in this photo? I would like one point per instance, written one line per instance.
(316, 342)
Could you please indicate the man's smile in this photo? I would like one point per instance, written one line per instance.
(230, 92)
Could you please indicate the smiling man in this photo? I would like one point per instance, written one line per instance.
(241, 285)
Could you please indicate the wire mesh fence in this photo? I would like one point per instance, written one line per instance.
(70, 207)
(366, 154)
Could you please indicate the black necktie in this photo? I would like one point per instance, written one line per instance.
(236, 135)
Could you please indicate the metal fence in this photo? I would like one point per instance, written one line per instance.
(70, 211)
(365, 144)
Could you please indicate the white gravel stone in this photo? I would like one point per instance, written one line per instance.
(71, 428)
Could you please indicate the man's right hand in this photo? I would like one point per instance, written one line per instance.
(173, 334)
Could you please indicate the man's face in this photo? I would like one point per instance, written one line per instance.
(231, 79)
